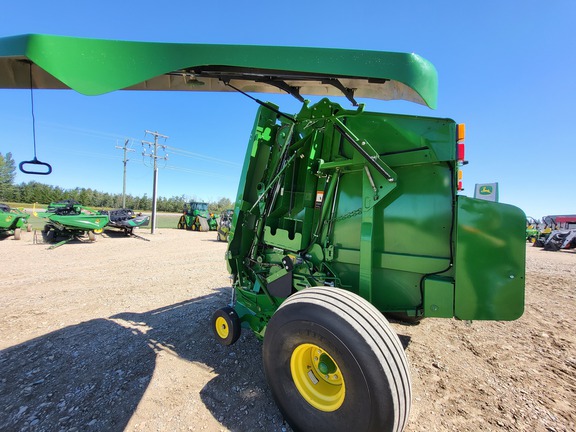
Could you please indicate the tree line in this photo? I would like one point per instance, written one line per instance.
(36, 192)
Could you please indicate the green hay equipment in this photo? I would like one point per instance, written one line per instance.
(342, 216)
(196, 217)
(12, 220)
(68, 220)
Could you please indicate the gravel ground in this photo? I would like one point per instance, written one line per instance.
(115, 335)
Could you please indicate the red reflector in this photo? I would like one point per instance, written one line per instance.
(461, 149)
(460, 186)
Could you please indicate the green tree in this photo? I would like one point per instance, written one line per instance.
(220, 205)
(144, 203)
(7, 176)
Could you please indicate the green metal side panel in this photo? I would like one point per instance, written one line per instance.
(257, 152)
(438, 298)
(96, 66)
(490, 261)
(10, 221)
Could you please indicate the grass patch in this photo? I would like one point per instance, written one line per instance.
(167, 220)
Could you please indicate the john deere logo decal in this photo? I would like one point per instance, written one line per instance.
(486, 191)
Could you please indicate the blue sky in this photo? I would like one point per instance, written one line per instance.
(506, 69)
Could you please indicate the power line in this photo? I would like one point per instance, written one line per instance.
(215, 174)
(189, 154)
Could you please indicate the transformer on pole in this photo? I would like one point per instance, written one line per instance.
(126, 149)
(154, 155)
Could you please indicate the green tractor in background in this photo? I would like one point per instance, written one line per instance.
(196, 217)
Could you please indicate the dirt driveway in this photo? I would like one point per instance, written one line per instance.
(115, 335)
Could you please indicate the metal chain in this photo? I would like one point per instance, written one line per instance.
(348, 215)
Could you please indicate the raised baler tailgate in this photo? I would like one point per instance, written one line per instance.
(490, 261)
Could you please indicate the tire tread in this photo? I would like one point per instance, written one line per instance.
(374, 328)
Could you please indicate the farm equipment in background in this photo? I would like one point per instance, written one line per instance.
(125, 220)
(12, 221)
(560, 239)
(558, 224)
(68, 220)
(196, 217)
(341, 215)
(532, 229)
(224, 224)
(559, 233)
(547, 225)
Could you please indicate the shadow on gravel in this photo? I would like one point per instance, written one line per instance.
(92, 376)
(215, 240)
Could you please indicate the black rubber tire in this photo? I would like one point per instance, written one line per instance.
(182, 223)
(203, 224)
(368, 352)
(403, 318)
(232, 322)
(49, 235)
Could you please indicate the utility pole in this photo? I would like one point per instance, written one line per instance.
(126, 149)
(154, 155)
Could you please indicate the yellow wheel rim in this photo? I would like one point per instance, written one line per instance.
(222, 328)
(317, 377)
(98, 230)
